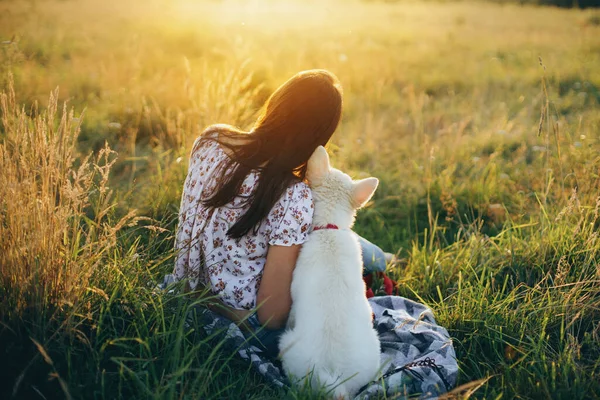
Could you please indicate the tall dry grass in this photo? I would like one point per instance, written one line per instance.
(56, 222)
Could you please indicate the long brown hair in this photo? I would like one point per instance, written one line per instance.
(300, 115)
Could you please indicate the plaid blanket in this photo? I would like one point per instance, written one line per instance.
(418, 358)
(417, 354)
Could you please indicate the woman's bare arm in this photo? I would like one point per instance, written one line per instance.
(274, 298)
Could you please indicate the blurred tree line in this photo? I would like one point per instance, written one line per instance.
(564, 3)
(556, 3)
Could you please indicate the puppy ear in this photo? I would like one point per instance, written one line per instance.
(318, 166)
(363, 191)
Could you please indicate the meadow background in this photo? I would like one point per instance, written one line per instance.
(481, 120)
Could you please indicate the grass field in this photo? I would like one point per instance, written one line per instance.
(481, 120)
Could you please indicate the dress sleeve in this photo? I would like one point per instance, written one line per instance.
(210, 132)
(291, 218)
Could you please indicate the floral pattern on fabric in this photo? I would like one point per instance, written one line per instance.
(206, 256)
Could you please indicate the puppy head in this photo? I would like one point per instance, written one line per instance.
(336, 186)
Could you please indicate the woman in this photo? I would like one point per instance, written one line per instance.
(246, 210)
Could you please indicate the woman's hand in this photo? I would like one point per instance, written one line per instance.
(274, 299)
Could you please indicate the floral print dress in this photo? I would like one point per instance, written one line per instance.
(232, 268)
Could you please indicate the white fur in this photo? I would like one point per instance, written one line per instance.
(330, 337)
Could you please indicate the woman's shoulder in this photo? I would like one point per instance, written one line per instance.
(222, 132)
(217, 134)
(298, 192)
(292, 216)
(208, 139)
(213, 131)
(210, 132)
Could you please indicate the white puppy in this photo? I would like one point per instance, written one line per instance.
(330, 338)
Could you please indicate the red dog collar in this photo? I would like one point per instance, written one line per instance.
(328, 226)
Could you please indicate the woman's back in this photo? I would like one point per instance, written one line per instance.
(232, 268)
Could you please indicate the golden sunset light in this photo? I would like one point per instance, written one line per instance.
(228, 199)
